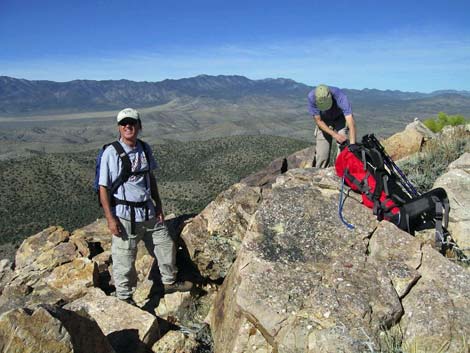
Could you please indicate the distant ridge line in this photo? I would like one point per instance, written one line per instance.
(22, 96)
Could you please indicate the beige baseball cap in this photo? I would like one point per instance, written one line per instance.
(323, 98)
(128, 113)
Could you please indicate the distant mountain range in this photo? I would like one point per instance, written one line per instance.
(19, 96)
(47, 116)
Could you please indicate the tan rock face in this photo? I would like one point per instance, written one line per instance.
(40, 250)
(301, 272)
(436, 309)
(50, 329)
(303, 282)
(53, 266)
(129, 329)
(96, 235)
(24, 332)
(74, 278)
(456, 182)
(172, 304)
(214, 236)
(397, 255)
(409, 141)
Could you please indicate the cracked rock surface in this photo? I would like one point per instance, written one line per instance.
(303, 282)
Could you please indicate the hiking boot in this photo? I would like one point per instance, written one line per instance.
(181, 286)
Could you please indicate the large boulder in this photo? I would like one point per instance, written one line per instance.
(55, 266)
(45, 250)
(128, 328)
(52, 330)
(436, 311)
(409, 141)
(304, 282)
(74, 278)
(456, 182)
(301, 277)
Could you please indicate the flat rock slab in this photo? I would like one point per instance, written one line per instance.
(128, 328)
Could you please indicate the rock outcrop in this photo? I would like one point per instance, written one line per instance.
(409, 141)
(456, 182)
(277, 272)
(303, 282)
(50, 329)
(57, 298)
(128, 328)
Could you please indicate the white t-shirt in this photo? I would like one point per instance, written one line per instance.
(137, 187)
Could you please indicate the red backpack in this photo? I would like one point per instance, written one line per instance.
(367, 169)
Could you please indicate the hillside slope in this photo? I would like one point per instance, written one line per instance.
(56, 189)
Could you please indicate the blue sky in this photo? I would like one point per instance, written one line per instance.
(406, 45)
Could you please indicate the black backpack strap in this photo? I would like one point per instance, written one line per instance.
(438, 217)
(126, 169)
(126, 172)
(133, 206)
(145, 148)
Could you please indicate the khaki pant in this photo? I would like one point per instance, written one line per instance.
(124, 251)
(323, 146)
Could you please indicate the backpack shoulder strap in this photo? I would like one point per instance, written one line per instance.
(125, 170)
(145, 147)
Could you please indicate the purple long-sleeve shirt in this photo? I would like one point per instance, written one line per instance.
(340, 108)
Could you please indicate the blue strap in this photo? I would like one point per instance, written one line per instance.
(340, 206)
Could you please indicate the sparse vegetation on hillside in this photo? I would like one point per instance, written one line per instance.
(56, 189)
(424, 168)
(437, 124)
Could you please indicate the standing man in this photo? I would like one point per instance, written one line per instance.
(333, 116)
(130, 212)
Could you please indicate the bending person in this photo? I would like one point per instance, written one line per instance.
(334, 119)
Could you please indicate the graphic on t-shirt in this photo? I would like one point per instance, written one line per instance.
(138, 163)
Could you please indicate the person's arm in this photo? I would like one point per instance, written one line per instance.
(113, 222)
(322, 126)
(156, 197)
(352, 128)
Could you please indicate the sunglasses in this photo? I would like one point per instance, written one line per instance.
(131, 122)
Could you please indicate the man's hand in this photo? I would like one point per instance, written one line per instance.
(340, 138)
(114, 226)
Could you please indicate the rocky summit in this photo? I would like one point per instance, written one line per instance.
(276, 271)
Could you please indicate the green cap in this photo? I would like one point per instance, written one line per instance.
(323, 98)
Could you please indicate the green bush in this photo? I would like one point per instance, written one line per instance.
(436, 124)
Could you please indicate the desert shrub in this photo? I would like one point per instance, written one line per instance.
(424, 168)
(442, 119)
